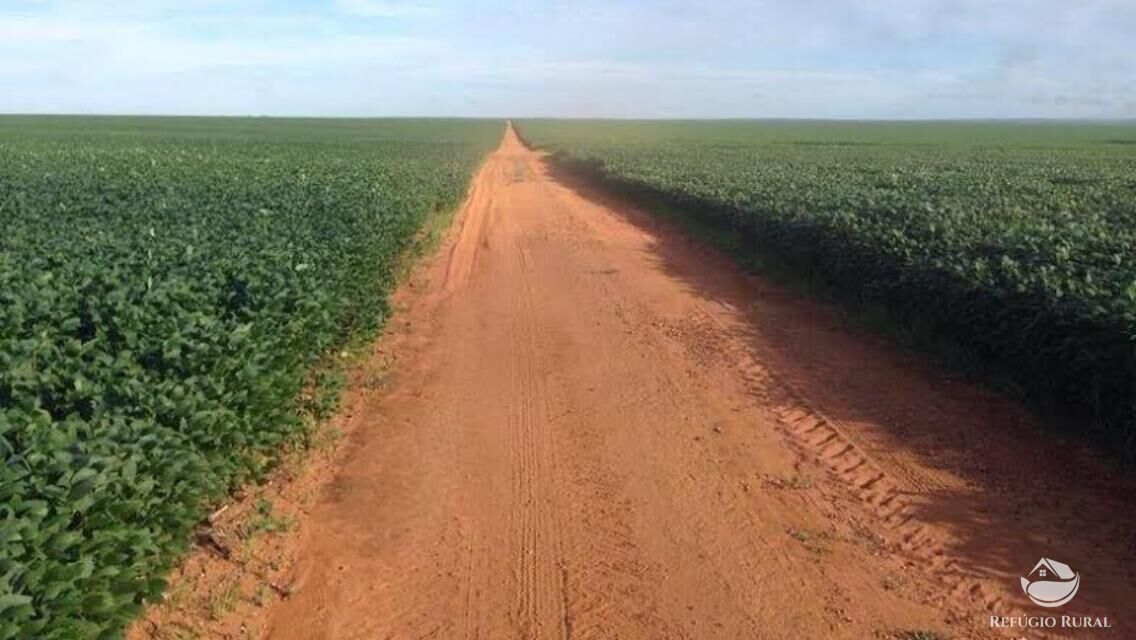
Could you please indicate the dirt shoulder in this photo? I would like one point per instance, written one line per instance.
(586, 425)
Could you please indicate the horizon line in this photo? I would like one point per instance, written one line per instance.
(705, 118)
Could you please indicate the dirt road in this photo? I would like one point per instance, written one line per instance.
(598, 429)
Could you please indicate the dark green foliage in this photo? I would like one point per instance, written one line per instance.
(166, 287)
(1014, 242)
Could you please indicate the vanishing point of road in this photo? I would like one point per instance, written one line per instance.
(598, 428)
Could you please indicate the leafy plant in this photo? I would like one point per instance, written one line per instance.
(167, 290)
(1014, 243)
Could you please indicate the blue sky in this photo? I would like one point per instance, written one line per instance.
(718, 58)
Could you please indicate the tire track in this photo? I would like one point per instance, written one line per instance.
(884, 486)
(594, 438)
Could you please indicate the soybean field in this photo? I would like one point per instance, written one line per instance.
(575, 421)
(1010, 245)
(169, 288)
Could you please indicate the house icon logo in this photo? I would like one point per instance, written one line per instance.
(1051, 583)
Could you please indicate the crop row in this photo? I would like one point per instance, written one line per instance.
(1013, 243)
(166, 288)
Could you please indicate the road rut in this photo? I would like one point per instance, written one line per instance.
(597, 428)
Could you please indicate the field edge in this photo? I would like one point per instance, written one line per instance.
(921, 333)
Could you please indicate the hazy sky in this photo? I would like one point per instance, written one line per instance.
(761, 58)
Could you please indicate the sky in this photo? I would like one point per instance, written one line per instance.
(592, 58)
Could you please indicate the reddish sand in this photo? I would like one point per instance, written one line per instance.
(597, 428)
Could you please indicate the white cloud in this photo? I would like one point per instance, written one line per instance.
(42, 32)
(822, 58)
(388, 9)
(139, 49)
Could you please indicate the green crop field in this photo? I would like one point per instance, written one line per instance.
(1013, 242)
(167, 289)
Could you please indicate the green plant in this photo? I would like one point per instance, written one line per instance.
(169, 289)
(1011, 245)
(263, 520)
(223, 599)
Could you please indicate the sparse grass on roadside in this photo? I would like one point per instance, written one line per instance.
(223, 600)
(260, 597)
(376, 372)
(263, 520)
(176, 596)
(814, 541)
(425, 241)
(176, 633)
(326, 438)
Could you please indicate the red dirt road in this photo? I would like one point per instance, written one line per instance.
(598, 429)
